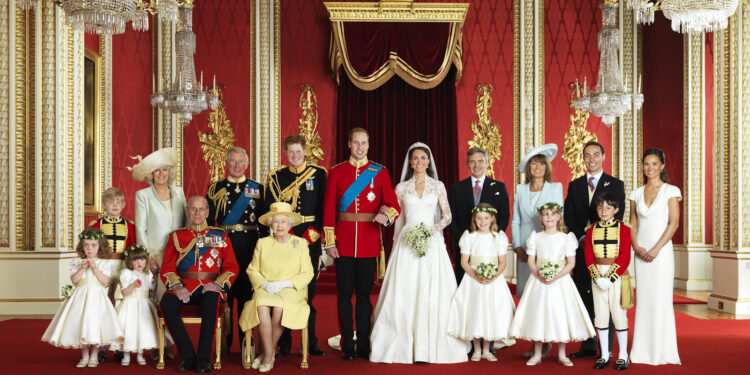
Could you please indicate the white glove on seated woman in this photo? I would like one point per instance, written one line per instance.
(274, 287)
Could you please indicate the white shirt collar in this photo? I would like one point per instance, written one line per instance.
(474, 181)
(596, 177)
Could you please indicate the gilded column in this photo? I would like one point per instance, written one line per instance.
(46, 145)
(105, 96)
(692, 260)
(6, 29)
(267, 76)
(731, 254)
(168, 130)
(528, 77)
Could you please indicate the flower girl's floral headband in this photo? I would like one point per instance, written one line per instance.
(134, 248)
(550, 206)
(89, 234)
(488, 210)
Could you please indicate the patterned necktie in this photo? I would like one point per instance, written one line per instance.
(592, 187)
(477, 192)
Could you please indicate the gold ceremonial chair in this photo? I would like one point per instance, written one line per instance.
(191, 315)
(248, 354)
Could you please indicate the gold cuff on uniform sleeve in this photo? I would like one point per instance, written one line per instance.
(594, 271)
(172, 279)
(391, 213)
(223, 280)
(612, 273)
(330, 237)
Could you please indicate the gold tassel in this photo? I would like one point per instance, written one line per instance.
(626, 295)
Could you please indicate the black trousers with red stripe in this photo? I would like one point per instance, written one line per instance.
(209, 306)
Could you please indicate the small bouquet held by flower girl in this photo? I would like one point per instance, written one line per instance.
(486, 270)
(66, 291)
(549, 270)
(416, 237)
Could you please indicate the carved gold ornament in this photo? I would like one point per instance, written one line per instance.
(577, 136)
(486, 134)
(216, 143)
(308, 124)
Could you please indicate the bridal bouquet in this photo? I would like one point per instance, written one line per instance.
(66, 291)
(549, 270)
(416, 237)
(486, 270)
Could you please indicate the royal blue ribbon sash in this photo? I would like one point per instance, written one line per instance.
(240, 205)
(187, 262)
(357, 186)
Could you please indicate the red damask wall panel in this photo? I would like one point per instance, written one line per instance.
(91, 41)
(305, 35)
(131, 111)
(663, 95)
(571, 52)
(222, 31)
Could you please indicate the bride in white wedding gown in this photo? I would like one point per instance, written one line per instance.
(411, 316)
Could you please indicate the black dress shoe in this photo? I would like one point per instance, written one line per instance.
(601, 363)
(283, 351)
(203, 367)
(622, 364)
(102, 356)
(185, 365)
(348, 356)
(583, 354)
(364, 355)
(118, 356)
(316, 351)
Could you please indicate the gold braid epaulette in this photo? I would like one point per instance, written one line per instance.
(217, 197)
(183, 251)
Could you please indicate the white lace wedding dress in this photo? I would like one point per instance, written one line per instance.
(411, 316)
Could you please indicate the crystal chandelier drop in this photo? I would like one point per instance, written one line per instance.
(184, 96)
(687, 16)
(609, 100)
(110, 16)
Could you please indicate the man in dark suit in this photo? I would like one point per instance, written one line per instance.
(579, 213)
(466, 194)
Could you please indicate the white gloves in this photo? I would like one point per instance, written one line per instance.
(603, 283)
(274, 287)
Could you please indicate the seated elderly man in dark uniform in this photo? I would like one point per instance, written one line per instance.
(199, 267)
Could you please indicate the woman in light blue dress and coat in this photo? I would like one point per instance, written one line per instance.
(538, 190)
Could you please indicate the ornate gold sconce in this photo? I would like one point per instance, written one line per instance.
(216, 143)
(308, 124)
(486, 134)
(577, 136)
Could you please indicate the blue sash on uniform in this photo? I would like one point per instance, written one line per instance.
(239, 207)
(357, 186)
(188, 261)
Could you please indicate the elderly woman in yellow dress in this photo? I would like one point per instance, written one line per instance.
(280, 272)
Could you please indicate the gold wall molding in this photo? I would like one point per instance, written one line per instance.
(48, 128)
(577, 135)
(400, 11)
(694, 121)
(308, 124)
(528, 77)
(486, 133)
(24, 128)
(721, 168)
(268, 86)
(5, 95)
(218, 141)
(168, 129)
(105, 50)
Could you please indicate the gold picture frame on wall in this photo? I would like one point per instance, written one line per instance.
(93, 132)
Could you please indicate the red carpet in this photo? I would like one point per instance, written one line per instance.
(706, 346)
(685, 300)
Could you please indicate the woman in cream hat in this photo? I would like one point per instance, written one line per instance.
(537, 190)
(159, 208)
(280, 271)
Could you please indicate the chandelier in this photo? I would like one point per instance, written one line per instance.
(110, 16)
(609, 100)
(687, 16)
(185, 96)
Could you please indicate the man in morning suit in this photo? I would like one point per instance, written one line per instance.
(199, 267)
(579, 213)
(359, 199)
(235, 204)
(302, 186)
(466, 194)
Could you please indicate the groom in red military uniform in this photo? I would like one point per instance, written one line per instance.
(359, 198)
(199, 268)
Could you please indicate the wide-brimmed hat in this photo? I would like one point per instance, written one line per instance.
(549, 150)
(280, 208)
(166, 157)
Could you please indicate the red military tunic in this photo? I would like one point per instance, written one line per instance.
(184, 254)
(610, 240)
(119, 232)
(359, 239)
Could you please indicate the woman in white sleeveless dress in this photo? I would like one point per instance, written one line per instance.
(654, 218)
(411, 316)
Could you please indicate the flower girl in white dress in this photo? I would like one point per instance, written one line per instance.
(550, 309)
(482, 308)
(87, 318)
(136, 312)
